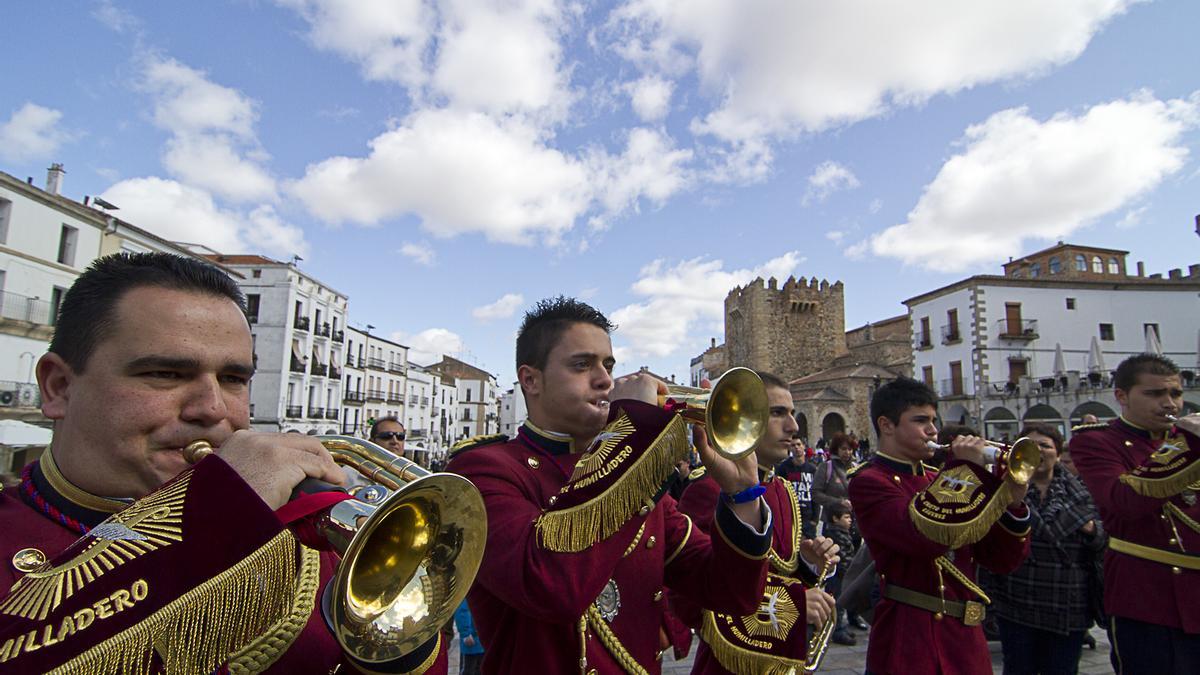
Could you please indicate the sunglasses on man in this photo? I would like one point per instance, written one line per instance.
(389, 435)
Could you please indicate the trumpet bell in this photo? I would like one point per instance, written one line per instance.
(1023, 459)
(734, 411)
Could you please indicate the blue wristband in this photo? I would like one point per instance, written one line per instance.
(748, 495)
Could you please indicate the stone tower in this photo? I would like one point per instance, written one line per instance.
(791, 331)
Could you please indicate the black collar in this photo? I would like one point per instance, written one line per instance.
(551, 442)
(898, 465)
(1131, 428)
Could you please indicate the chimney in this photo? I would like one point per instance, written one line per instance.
(1175, 273)
(1194, 271)
(713, 343)
(1141, 269)
(54, 176)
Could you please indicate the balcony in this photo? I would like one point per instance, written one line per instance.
(353, 397)
(303, 323)
(296, 411)
(339, 336)
(331, 414)
(324, 330)
(950, 334)
(396, 368)
(297, 365)
(951, 387)
(922, 341)
(412, 399)
(335, 373)
(376, 363)
(395, 398)
(351, 362)
(1023, 330)
(34, 311)
(375, 395)
(318, 369)
(424, 401)
(316, 413)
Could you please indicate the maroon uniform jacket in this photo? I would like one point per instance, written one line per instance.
(217, 511)
(699, 501)
(535, 608)
(1124, 468)
(906, 639)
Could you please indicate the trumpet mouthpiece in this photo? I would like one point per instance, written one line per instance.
(1171, 418)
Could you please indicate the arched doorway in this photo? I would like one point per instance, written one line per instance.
(1045, 414)
(802, 423)
(1101, 411)
(957, 414)
(832, 424)
(1000, 424)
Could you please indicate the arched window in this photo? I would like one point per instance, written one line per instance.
(1035, 270)
(1097, 265)
(1113, 267)
(1080, 262)
(1055, 265)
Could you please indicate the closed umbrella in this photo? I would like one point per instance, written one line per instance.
(1060, 362)
(1095, 362)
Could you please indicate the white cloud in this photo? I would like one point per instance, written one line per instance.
(213, 144)
(680, 298)
(1018, 178)
(836, 236)
(460, 172)
(1132, 217)
(777, 68)
(430, 345)
(31, 133)
(179, 212)
(421, 253)
(875, 206)
(504, 308)
(827, 178)
(650, 167)
(650, 97)
(116, 19)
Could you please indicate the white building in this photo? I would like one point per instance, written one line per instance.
(354, 384)
(512, 410)
(478, 398)
(1040, 342)
(298, 325)
(420, 394)
(385, 370)
(445, 413)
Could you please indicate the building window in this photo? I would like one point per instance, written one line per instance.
(956, 380)
(56, 298)
(1055, 265)
(1035, 270)
(252, 300)
(5, 214)
(927, 375)
(1113, 266)
(1070, 303)
(1097, 265)
(67, 241)
(1081, 262)
(1106, 332)
(257, 274)
(924, 337)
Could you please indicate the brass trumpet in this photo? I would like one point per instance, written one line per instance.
(818, 644)
(1021, 458)
(734, 411)
(410, 547)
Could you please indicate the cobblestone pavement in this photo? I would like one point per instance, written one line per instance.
(840, 660)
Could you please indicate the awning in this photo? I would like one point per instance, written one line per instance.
(297, 353)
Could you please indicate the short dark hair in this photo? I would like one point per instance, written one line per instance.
(87, 313)
(1046, 430)
(893, 398)
(837, 510)
(1127, 372)
(545, 324)
(381, 420)
(772, 380)
(838, 440)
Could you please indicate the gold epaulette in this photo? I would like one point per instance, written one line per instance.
(697, 473)
(1089, 427)
(476, 442)
(856, 468)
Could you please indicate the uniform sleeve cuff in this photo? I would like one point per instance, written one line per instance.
(1016, 521)
(742, 537)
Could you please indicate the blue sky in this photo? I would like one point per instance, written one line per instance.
(448, 163)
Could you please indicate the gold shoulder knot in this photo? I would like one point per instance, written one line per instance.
(1089, 427)
(856, 468)
(697, 473)
(476, 442)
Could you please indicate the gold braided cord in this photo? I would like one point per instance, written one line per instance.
(579, 527)
(1173, 510)
(637, 538)
(612, 644)
(738, 659)
(944, 564)
(266, 650)
(198, 631)
(787, 567)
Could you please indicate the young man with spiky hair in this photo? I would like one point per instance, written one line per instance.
(1141, 470)
(791, 601)
(582, 542)
(166, 566)
(927, 531)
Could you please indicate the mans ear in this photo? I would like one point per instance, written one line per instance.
(54, 377)
(886, 427)
(1122, 397)
(530, 379)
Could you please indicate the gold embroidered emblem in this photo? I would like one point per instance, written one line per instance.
(1168, 451)
(775, 616)
(956, 486)
(603, 445)
(147, 525)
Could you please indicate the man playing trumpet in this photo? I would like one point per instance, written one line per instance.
(774, 637)
(1142, 471)
(927, 531)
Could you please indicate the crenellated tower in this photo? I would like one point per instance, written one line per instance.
(791, 331)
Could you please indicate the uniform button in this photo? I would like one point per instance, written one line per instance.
(1163, 516)
(645, 510)
(1176, 570)
(651, 542)
(658, 595)
(533, 462)
(942, 588)
(937, 616)
(553, 498)
(1172, 541)
(28, 559)
(896, 478)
